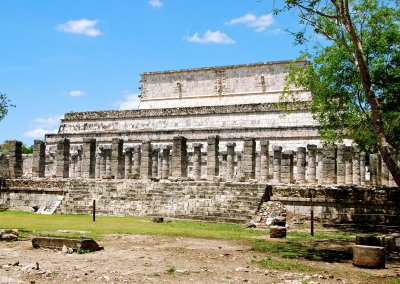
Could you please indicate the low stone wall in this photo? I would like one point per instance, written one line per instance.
(203, 200)
(226, 202)
(341, 203)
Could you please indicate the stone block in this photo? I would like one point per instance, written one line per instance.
(58, 243)
(277, 232)
(368, 256)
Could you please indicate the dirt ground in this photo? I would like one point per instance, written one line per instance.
(155, 259)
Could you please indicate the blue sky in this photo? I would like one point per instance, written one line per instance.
(70, 55)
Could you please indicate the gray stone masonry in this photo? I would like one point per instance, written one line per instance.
(222, 163)
(258, 165)
(15, 160)
(117, 160)
(362, 168)
(146, 160)
(179, 157)
(249, 158)
(341, 164)
(277, 164)
(385, 175)
(287, 167)
(349, 165)
(230, 160)
(264, 163)
(301, 165)
(197, 161)
(212, 157)
(98, 165)
(374, 165)
(39, 158)
(356, 165)
(128, 161)
(89, 158)
(136, 161)
(62, 156)
(312, 163)
(328, 165)
(166, 151)
(155, 162)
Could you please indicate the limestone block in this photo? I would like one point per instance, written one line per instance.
(368, 256)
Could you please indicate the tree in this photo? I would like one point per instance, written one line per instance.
(5, 103)
(354, 74)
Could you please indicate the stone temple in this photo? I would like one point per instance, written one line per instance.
(207, 143)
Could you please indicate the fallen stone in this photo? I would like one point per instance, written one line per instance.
(8, 234)
(157, 219)
(277, 232)
(368, 256)
(71, 243)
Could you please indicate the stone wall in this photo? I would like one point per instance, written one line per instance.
(224, 85)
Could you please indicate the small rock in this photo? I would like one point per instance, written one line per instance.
(157, 219)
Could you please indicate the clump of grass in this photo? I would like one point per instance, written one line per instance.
(272, 263)
(171, 269)
(82, 251)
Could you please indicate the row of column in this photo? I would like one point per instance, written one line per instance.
(328, 165)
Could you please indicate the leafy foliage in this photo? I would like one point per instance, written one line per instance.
(339, 100)
(5, 104)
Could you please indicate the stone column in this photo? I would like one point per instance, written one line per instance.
(108, 162)
(146, 160)
(319, 165)
(154, 171)
(98, 165)
(117, 162)
(264, 152)
(312, 166)
(328, 165)
(287, 167)
(249, 158)
(128, 162)
(136, 161)
(73, 158)
(39, 158)
(212, 157)
(356, 165)
(222, 164)
(15, 160)
(78, 165)
(362, 168)
(230, 160)
(103, 162)
(301, 165)
(385, 174)
(373, 164)
(179, 157)
(277, 164)
(165, 162)
(197, 161)
(88, 158)
(258, 166)
(341, 164)
(349, 165)
(62, 169)
(239, 171)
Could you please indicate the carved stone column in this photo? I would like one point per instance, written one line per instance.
(312, 164)
(287, 167)
(63, 147)
(89, 158)
(15, 160)
(146, 160)
(165, 162)
(341, 164)
(301, 165)
(329, 165)
(155, 163)
(212, 157)
(136, 161)
(128, 161)
(257, 166)
(277, 164)
(98, 164)
(117, 163)
(197, 161)
(356, 165)
(349, 165)
(78, 165)
(39, 158)
(179, 157)
(230, 160)
(249, 158)
(362, 168)
(264, 152)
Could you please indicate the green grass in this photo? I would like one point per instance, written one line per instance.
(33, 224)
(272, 263)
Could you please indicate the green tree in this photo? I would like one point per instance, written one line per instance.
(5, 104)
(353, 75)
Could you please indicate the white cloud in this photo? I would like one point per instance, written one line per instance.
(43, 125)
(217, 37)
(131, 102)
(258, 23)
(76, 93)
(82, 26)
(155, 3)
